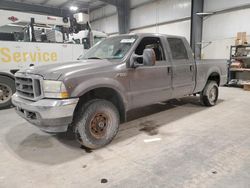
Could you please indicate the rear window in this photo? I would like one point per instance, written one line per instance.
(177, 48)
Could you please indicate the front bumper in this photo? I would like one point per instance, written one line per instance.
(50, 115)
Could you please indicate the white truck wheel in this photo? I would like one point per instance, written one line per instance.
(7, 89)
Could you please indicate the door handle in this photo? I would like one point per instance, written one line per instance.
(169, 70)
(191, 67)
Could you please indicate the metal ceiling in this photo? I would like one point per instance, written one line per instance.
(64, 4)
(61, 8)
(53, 7)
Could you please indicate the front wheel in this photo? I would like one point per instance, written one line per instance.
(96, 123)
(210, 93)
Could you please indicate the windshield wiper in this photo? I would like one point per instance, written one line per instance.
(94, 58)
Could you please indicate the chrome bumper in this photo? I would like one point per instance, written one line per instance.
(50, 115)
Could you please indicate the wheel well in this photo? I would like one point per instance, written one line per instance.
(7, 75)
(215, 77)
(108, 94)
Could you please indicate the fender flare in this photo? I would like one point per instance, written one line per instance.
(96, 83)
(212, 70)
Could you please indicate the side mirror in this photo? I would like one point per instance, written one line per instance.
(148, 59)
(133, 61)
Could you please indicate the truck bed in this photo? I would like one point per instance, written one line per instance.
(207, 66)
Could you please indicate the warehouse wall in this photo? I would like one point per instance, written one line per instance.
(105, 19)
(173, 17)
(221, 29)
(181, 28)
(161, 16)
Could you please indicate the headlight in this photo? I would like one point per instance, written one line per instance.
(54, 89)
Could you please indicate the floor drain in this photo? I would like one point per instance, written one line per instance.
(104, 180)
(84, 166)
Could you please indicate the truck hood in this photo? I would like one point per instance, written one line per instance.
(55, 71)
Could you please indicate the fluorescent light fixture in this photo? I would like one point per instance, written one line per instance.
(204, 13)
(204, 42)
(73, 8)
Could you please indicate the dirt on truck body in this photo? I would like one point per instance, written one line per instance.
(94, 94)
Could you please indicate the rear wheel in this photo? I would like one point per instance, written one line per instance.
(96, 123)
(7, 89)
(210, 93)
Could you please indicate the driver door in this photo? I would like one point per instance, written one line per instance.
(150, 84)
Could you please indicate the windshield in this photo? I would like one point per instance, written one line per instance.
(98, 39)
(111, 48)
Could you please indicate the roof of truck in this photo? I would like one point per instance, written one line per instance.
(153, 34)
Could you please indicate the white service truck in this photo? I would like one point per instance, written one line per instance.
(22, 45)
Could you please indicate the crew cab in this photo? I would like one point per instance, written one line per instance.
(94, 94)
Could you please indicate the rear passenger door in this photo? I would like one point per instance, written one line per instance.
(183, 67)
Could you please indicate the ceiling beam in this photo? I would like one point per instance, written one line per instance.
(97, 7)
(64, 4)
(44, 2)
(111, 2)
(25, 7)
(123, 11)
(81, 3)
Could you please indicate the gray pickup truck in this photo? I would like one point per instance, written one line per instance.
(93, 94)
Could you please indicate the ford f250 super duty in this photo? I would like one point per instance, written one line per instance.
(93, 94)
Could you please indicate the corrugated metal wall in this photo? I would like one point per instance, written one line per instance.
(173, 17)
(214, 5)
(163, 16)
(159, 12)
(105, 19)
(221, 29)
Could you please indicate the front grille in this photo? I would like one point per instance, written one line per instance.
(28, 86)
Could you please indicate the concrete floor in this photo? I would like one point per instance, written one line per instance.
(192, 146)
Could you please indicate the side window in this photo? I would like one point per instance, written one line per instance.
(155, 44)
(177, 48)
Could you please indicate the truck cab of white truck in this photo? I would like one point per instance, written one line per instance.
(24, 44)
